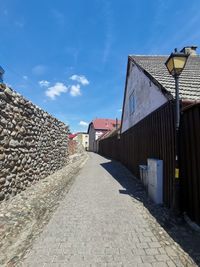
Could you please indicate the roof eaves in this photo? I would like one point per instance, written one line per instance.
(192, 104)
(125, 89)
(89, 127)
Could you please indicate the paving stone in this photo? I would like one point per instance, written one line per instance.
(114, 264)
(145, 239)
(35, 264)
(171, 264)
(139, 251)
(170, 251)
(144, 264)
(142, 245)
(161, 250)
(151, 251)
(153, 238)
(154, 244)
(162, 257)
(148, 234)
(148, 259)
(135, 259)
(159, 264)
(53, 264)
(61, 258)
(40, 258)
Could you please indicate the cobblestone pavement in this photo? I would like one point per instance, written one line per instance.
(101, 223)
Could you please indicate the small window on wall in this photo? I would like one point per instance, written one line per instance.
(131, 103)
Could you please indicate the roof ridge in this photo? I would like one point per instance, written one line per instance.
(134, 55)
(104, 119)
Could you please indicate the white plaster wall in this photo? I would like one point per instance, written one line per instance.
(85, 140)
(92, 137)
(98, 134)
(96, 143)
(82, 139)
(147, 97)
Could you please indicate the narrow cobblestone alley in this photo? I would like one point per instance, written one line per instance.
(101, 223)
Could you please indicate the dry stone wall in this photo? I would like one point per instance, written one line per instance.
(33, 144)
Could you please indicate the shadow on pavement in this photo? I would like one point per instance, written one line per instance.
(177, 228)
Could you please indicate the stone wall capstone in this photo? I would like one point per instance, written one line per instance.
(33, 144)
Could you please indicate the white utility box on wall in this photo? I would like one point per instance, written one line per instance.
(155, 180)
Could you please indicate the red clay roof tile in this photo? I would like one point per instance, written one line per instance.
(104, 124)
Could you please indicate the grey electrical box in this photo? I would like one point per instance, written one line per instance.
(155, 180)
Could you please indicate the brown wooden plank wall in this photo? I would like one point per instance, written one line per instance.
(153, 137)
(110, 147)
(190, 161)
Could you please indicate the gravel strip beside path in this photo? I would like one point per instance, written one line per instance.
(23, 217)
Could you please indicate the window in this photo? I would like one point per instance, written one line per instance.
(132, 103)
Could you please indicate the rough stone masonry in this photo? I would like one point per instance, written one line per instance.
(33, 144)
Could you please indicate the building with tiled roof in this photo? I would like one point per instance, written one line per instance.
(97, 128)
(189, 82)
(72, 136)
(149, 85)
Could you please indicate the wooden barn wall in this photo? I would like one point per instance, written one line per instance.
(190, 162)
(110, 147)
(153, 137)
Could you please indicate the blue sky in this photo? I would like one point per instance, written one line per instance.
(70, 57)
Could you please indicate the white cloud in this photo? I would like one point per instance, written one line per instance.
(39, 70)
(119, 110)
(75, 90)
(44, 83)
(56, 90)
(83, 123)
(80, 79)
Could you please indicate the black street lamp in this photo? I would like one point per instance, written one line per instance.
(175, 65)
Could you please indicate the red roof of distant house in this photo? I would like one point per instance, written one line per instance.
(104, 124)
(71, 136)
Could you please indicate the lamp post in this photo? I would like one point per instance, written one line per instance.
(175, 65)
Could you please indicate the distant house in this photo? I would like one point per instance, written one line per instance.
(83, 138)
(72, 136)
(97, 128)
